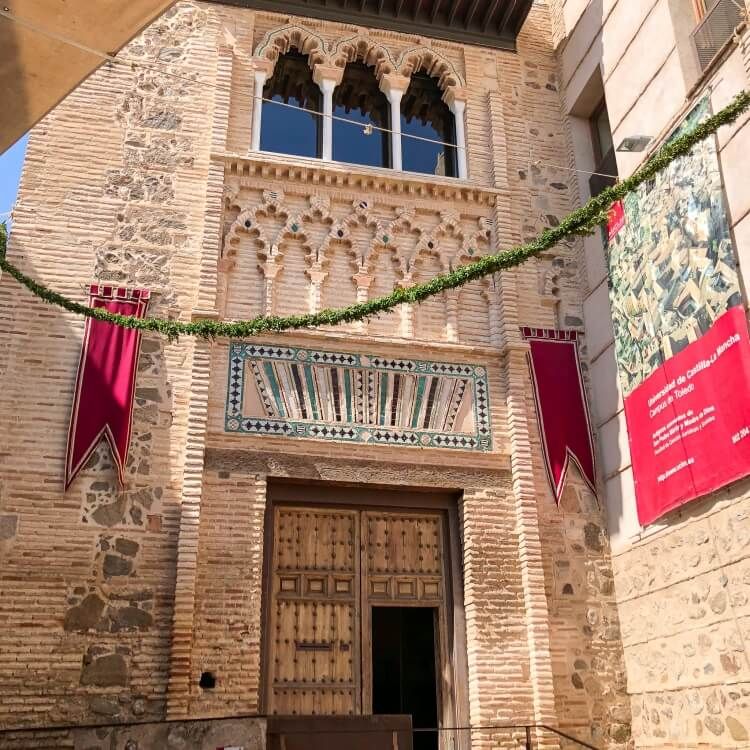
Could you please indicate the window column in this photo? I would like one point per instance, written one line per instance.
(458, 107)
(394, 86)
(394, 100)
(327, 77)
(262, 70)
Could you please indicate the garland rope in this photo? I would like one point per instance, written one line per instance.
(583, 220)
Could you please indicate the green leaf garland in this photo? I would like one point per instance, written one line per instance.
(583, 220)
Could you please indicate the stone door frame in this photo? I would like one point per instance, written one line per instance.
(453, 707)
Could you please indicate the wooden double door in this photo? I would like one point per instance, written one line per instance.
(329, 568)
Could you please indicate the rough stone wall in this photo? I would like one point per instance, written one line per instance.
(112, 189)
(684, 598)
(143, 204)
(248, 733)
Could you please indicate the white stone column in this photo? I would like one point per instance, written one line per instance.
(260, 82)
(458, 107)
(394, 86)
(394, 99)
(327, 77)
(363, 281)
(317, 277)
(407, 311)
(327, 85)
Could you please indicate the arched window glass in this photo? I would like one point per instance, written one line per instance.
(359, 98)
(286, 130)
(425, 114)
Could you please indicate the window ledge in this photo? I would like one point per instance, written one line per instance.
(371, 179)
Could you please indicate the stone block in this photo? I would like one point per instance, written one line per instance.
(110, 670)
(87, 615)
(8, 526)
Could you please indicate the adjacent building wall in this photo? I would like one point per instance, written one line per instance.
(680, 584)
(115, 600)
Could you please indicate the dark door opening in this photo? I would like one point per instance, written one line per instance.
(403, 668)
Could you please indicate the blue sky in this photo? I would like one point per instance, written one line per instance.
(10, 172)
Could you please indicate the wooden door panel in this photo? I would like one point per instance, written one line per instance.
(314, 637)
(307, 702)
(329, 566)
(315, 539)
(403, 556)
(403, 565)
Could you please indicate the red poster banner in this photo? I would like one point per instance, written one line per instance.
(689, 421)
(561, 406)
(105, 384)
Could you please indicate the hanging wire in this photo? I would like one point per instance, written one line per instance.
(158, 67)
(367, 128)
(539, 162)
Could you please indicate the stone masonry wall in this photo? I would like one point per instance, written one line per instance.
(92, 629)
(112, 191)
(249, 734)
(685, 609)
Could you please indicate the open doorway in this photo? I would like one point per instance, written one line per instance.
(403, 668)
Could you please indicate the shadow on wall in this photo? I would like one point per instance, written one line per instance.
(585, 84)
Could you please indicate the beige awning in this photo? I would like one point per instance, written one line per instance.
(38, 68)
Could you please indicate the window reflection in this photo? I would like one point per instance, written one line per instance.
(286, 130)
(425, 114)
(359, 98)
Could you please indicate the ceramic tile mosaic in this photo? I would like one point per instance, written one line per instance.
(306, 393)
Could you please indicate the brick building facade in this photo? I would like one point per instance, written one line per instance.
(177, 596)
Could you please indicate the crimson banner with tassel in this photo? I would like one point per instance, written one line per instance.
(561, 407)
(105, 384)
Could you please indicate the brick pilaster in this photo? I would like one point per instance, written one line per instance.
(508, 220)
(178, 689)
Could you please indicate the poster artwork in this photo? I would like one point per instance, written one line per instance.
(681, 337)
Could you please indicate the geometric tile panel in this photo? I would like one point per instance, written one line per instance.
(307, 393)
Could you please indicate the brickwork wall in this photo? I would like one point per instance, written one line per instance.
(112, 190)
(146, 177)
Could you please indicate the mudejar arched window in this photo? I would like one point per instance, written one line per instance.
(358, 98)
(426, 115)
(291, 129)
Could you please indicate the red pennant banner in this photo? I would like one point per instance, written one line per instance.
(105, 384)
(560, 405)
(615, 219)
